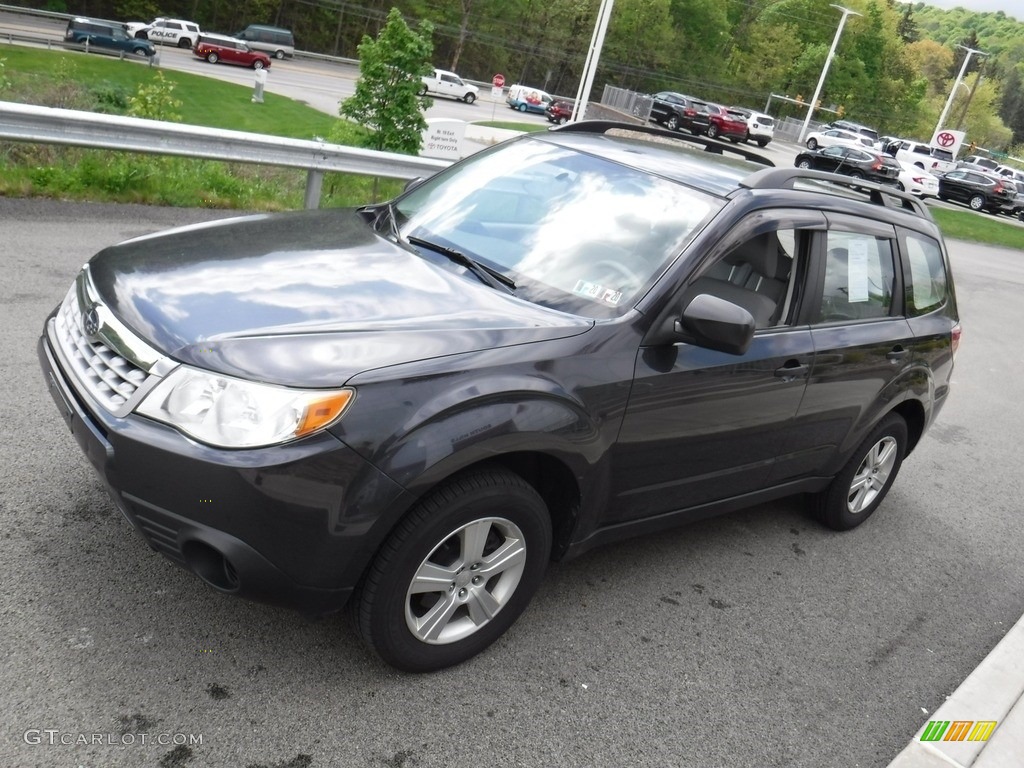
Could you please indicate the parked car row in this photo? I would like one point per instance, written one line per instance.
(679, 112)
(251, 47)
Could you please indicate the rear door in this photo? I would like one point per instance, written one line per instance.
(863, 345)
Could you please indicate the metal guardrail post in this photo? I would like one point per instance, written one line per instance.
(314, 186)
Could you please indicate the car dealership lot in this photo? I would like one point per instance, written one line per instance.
(754, 638)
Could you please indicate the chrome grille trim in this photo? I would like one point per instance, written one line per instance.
(113, 367)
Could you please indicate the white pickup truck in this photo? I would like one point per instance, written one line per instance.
(932, 159)
(444, 83)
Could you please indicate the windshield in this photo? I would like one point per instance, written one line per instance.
(575, 232)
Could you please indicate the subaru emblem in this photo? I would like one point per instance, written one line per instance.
(91, 323)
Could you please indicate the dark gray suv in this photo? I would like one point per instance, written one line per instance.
(560, 341)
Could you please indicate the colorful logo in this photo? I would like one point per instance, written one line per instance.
(958, 730)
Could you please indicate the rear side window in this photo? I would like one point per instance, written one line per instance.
(925, 275)
(859, 278)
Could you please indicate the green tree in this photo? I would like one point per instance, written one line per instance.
(386, 99)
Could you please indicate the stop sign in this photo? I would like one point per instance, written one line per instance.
(498, 80)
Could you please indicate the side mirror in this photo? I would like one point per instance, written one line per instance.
(717, 324)
(411, 183)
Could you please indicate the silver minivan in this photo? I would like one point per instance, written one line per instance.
(273, 41)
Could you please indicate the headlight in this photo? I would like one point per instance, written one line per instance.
(233, 413)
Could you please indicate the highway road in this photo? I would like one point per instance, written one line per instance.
(757, 638)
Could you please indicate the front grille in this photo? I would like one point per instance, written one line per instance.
(105, 375)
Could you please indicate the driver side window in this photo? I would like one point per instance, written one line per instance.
(759, 274)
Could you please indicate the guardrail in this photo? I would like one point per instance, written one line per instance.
(47, 125)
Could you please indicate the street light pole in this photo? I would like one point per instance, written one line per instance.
(590, 66)
(824, 70)
(959, 77)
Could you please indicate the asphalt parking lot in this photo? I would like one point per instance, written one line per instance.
(757, 638)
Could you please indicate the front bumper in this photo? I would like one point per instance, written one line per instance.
(291, 525)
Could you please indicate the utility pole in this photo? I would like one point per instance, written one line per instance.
(593, 54)
(824, 70)
(959, 77)
(970, 94)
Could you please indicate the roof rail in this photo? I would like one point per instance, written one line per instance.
(786, 178)
(710, 145)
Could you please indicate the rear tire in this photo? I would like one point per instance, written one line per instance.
(278, 54)
(977, 202)
(812, 144)
(855, 493)
(456, 572)
(712, 131)
(184, 43)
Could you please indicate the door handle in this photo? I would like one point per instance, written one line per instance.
(897, 354)
(792, 370)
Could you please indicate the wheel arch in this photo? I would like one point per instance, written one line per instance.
(550, 476)
(913, 413)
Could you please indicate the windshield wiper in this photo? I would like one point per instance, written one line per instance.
(491, 277)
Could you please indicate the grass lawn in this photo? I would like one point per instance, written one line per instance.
(513, 126)
(979, 228)
(104, 84)
(94, 83)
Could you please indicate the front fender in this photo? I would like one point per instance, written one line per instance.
(483, 419)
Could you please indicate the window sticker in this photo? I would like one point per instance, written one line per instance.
(597, 292)
(857, 272)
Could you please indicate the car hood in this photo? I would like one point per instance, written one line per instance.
(306, 299)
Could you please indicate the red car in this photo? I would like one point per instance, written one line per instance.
(559, 111)
(726, 124)
(228, 50)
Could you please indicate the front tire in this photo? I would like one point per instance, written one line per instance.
(977, 202)
(522, 107)
(257, 64)
(805, 164)
(456, 572)
(855, 493)
(673, 123)
(469, 98)
(212, 58)
(812, 144)
(279, 55)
